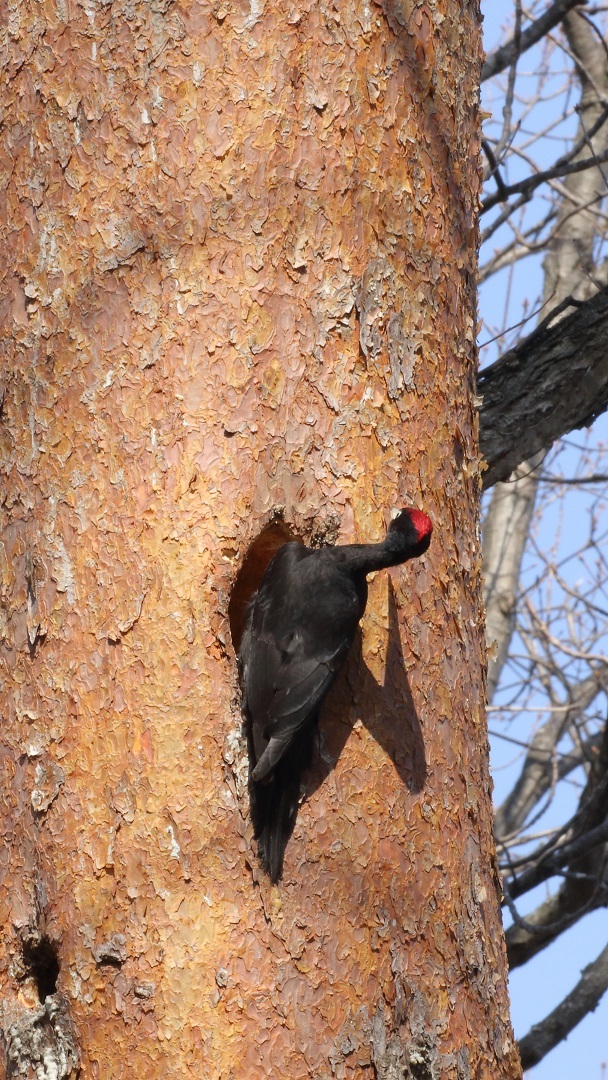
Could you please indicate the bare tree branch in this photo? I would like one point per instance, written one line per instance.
(585, 883)
(582, 891)
(502, 57)
(527, 187)
(552, 382)
(507, 110)
(553, 864)
(582, 1000)
(527, 937)
(593, 478)
(536, 774)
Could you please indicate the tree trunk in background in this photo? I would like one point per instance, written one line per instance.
(243, 262)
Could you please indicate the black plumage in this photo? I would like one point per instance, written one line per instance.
(300, 625)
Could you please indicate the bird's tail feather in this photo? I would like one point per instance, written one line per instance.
(274, 804)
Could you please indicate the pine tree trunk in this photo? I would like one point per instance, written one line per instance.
(242, 247)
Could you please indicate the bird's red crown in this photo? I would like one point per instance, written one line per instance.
(422, 524)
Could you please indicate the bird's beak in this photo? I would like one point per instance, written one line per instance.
(394, 513)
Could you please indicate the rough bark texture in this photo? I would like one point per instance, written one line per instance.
(242, 268)
(554, 381)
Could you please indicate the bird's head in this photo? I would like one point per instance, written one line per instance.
(413, 528)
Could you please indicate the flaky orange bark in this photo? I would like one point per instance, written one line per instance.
(242, 252)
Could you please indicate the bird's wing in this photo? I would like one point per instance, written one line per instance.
(286, 670)
(265, 639)
(286, 727)
(297, 692)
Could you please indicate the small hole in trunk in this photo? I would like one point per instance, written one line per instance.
(42, 961)
(249, 578)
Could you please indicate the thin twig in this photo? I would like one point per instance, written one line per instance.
(528, 186)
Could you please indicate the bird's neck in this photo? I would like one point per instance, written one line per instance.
(365, 558)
